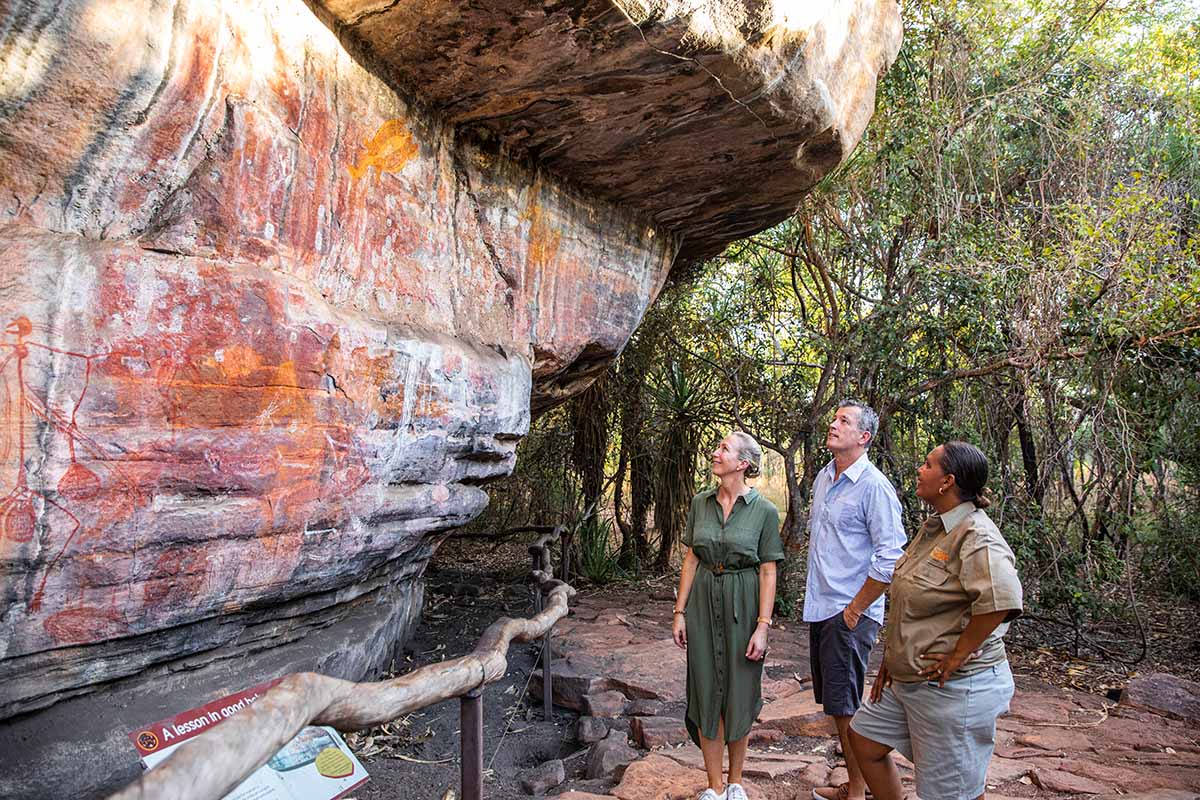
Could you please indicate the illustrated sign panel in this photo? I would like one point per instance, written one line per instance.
(315, 765)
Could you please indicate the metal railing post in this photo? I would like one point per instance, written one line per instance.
(471, 728)
(547, 677)
(547, 656)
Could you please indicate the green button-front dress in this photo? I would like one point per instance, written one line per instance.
(722, 611)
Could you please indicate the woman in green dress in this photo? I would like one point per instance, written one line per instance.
(723, 612)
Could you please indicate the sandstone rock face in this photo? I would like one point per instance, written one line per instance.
(276, 304)
(1164, 694)
(711, 119)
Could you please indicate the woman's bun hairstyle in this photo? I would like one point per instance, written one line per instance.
(969, 466)
(983, 499)
(748, 451)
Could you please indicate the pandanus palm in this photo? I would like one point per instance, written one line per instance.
(683, 411)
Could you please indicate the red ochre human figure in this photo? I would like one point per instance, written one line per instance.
(19, 508)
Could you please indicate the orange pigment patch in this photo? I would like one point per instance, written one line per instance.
(388, 150)
(544, 239)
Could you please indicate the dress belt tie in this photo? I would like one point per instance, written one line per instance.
(719, 570)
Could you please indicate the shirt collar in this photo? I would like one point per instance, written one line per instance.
(952, 518)
(853, 472)
(747, 498)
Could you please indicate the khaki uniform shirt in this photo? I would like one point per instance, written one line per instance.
(943, 579)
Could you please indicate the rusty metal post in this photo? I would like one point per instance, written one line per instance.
(564, 541)
(471, 731)
(547, 677)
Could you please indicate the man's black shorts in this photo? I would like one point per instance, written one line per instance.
(838, 657)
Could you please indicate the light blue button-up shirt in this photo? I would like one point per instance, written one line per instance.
(855, 532)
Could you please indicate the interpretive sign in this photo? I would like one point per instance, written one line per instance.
(315, 765)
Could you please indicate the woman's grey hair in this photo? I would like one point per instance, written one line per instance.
(748, 450)
(868, 420)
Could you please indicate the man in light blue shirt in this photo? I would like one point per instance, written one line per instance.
(855, 537)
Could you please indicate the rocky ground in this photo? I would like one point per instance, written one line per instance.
(618, 683)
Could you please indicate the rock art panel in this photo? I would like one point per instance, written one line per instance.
(276, 302)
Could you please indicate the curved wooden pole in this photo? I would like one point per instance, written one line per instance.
(209, 766)
(540, 549)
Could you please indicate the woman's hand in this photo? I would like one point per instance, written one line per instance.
(679, 631)
(883, 679)
(757, 649)
(944, 665)
(965, 650)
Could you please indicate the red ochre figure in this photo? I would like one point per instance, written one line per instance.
(18, 511)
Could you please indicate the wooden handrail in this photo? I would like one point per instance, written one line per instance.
(213, 763)
(540, 549)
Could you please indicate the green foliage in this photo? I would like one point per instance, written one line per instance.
(1010, 256)
(599, 553)
(681, 411)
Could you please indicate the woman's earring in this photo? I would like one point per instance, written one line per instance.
(942, 490)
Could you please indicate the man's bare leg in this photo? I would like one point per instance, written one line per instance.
(856, 785)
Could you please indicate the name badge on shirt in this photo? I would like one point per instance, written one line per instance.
(939, 554)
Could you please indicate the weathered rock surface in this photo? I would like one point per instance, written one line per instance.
(591, 729)
(653, 732)
(797, 715)
(759, 764)
(711, 124)
(269, 323)
(542, 777)
(1164, 694)
(609, 755)
(609, 703)
(659, 777)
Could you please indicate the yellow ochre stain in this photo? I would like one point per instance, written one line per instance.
(388, 150)
(544, 240)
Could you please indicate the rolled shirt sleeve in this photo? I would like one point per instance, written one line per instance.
(886, 529)
(989, 575)
(770, 546)
(689, 527)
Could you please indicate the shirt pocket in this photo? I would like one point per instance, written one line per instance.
(930, 573)
(849, 517)
(742, 543)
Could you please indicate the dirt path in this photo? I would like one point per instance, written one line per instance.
(618, 675)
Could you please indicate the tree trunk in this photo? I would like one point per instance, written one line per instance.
(1034, 484)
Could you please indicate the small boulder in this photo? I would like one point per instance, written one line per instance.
(568, 685)
(545, 776)
(1164, 694)
(591, 729)
(1057, 780)
(652, 732)
(609, 755)
(766, 736)
(644, 707)
(797, 715)
(609, 703)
